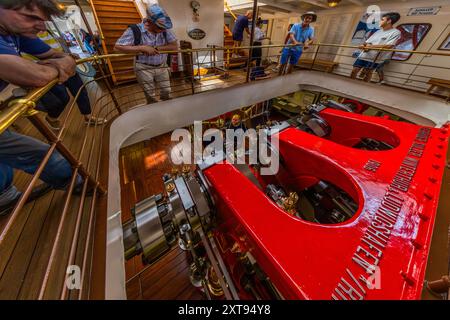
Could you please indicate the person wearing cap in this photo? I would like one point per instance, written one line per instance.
(300, 34)
(151, 65)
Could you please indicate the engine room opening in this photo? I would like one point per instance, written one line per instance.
(234, 222)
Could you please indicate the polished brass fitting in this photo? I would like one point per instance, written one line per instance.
(170, 187)
(290, 203)
(214, 286)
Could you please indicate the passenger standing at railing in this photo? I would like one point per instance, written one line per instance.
(386, 38)
(147, 39)
(241, 25)
(20, 21)
(88, 41)
(55, 101)
(300, 34)
(257, 43)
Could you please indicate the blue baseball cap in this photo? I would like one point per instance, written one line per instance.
(158, 16)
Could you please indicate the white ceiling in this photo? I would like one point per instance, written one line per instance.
(298, 6)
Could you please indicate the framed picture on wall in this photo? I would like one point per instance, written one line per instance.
(412, 35)
(446, 44)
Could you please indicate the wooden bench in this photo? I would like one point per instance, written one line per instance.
(318, 63)
(433, 82)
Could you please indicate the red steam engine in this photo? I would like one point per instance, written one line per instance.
(348, 215)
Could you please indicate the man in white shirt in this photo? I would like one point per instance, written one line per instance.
(259, 36)
(386, 38)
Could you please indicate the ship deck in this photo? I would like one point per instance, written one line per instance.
(27, 247)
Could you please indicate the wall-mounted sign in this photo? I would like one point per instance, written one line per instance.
(426, 11)
(197, 34)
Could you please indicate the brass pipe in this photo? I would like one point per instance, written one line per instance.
(387, 50)
(81, 207)
(86, 247)
(46, 132)
(57, 240)
(76, 233)
(45, 160)
(92, 218)
(120, 55)
(92, 215)
(75, 238)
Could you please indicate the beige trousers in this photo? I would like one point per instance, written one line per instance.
(148, 76)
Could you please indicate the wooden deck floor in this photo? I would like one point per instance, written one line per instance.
(26, 250)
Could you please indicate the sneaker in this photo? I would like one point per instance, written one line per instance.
(37, 192)
(53, 123)
(95, 121)
(78, 190)
(381, 82)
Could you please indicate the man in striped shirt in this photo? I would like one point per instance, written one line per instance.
(150, 65)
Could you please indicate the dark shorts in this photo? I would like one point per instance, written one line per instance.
(365, 64)
(293, 55)
(238, 36)
(381, 65)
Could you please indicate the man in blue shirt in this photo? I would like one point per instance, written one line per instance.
(20, 21)
(300, 34)
(241, 25)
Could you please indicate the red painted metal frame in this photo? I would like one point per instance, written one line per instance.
(312, 261)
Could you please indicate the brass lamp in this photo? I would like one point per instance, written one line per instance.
(333, 3)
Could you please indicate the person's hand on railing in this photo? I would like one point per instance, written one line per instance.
(75, 56)
(66, 67)
(364, 47)
(149, 51)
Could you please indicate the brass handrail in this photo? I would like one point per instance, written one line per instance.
(18, 107)
(218, 48)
